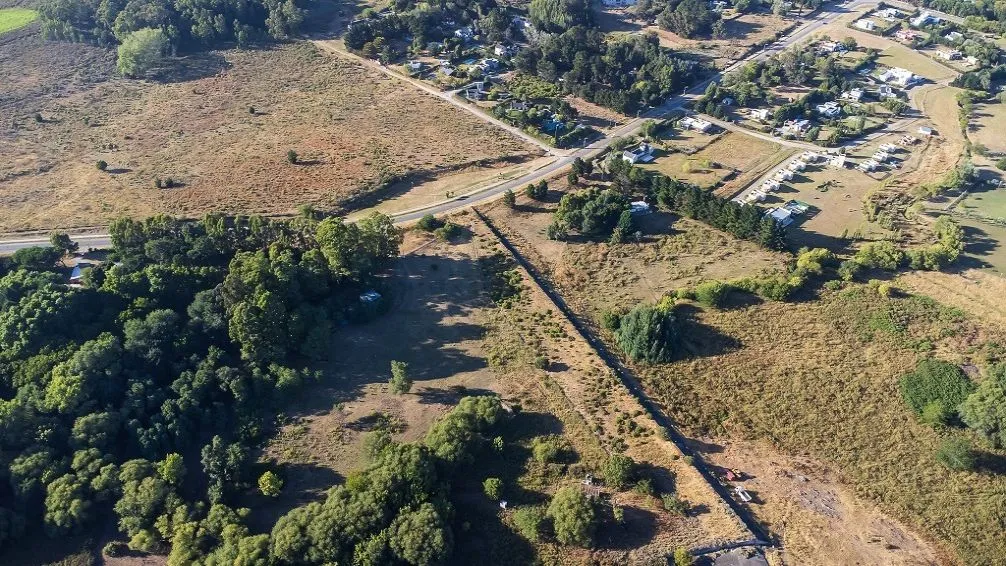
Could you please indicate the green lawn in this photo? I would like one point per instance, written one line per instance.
(14, 18)
(988, 204)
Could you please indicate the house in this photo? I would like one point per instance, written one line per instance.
(488, 65)
(811, 157)
(784, 175)
(761, 113)
(866, 25)
(643, 153)
(837, 161)
(889, 148)
(972, 61)
(718, 5)
(464, 34)
(889, 13)
(522, 23)
(697, 124)
(796, 127)
(639, 208)
(519, 106)
(925, 131)
(77, 274)
(898, 76)
(868, 166)
(906, 34)
(476, 91)
(782, 217)
(771, 186)
(504, 50)
(756, 195)
(925, 18)
(829, 109)
(796, 166)
(954, 37)
(414, 66)
(826, 47)
(854, 95)
(884, 92)
(447, 70)
(880, 156)
(948, 54)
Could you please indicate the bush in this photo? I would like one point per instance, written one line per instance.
(1001, 164)
(573, 517)
(647, 334)
(528, 521)
(711, 293)
(549, 449)
(880, 255)
(848, 269)
(984, 411)
(447, 232)
(674, 504)
(509, 199)
(682, 557)
(115, 548)
(618, 471)
(937, 382)
(429, 223)
(102, 165)
(957, 454)
(644, 487)
(400, 382)
(610, 320)
(493, 488)
(270, 484)
(537, 191)
(292, 157)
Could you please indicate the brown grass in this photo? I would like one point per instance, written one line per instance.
(352, 128)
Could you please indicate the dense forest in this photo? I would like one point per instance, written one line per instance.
(187, 24)
(142, 391)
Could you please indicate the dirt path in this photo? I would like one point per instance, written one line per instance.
(819, 521)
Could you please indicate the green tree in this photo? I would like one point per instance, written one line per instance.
(682, 557)
(984, 411)
(400, 383)
(493, 488)
(141, 51)
(291, 157)
(224, 465)
(711, 293)
(421, 536)
(270, 484)
(556, 16)
(573, 517)
(528, 520)
(935, 381)
(509, 199)
(647, 334)
(63, 243)
(618, 471)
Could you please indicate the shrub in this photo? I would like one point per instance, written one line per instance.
(674, 504)
(573, 517)
(647, 334)
(115, 548)
(644, 487)
(528, 521)
(429, 223)
(848, 269)
(957, 454)
(984, 411)
(610, 320)
(934, 381)
(548, 449)
(493, 488)
(618, 471)
(292, 157)
(880, 255)
(101, 165)
(537, 191)
(509, 199)
(711, 293)
(400, 382)
(447, 232)
(1001, 164)
(682, 557)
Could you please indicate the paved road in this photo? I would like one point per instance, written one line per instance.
(563, 157)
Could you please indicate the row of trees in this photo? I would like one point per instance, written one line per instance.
(178, 345)
(186, 24)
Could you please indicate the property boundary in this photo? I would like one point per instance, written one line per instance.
(632, 384)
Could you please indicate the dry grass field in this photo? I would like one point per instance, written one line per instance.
(457, 342)
(728, 161)
(352, 128)
(987, 126)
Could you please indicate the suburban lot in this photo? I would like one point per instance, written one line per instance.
(221, 131)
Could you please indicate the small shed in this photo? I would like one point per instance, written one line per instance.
(639, 208)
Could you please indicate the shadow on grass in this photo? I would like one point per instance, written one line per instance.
(700, 340)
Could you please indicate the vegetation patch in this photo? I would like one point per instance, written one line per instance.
(15, 18)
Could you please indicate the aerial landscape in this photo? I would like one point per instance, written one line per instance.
(558, 282)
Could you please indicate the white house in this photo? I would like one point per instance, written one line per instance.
(854, 95)
(889, 147)
(643, 153)
(885, 92)
(697, 124)
(868, 166)
(829, 109)
(925, 130)
(784, 175)
(889, 13)
(923, 19)
(898, 76)
(761, 113)
(782, 216)
(771, 186)
(414, 66)
(866, 25)
(504, 50)
(639, 208)
(838, 161)
(954, 36)
(972, 60)
(825, 47)
(796, 166)
(906, 34)
(464, 34)
(880, 156)
(796, 127)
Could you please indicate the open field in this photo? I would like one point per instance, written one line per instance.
(457, 342)
(730, 158)
(356, 132)
(990, 203)
(898, 55)
(765, 370)
(14, 18)
(987, 126)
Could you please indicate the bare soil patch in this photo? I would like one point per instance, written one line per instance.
(353, 129)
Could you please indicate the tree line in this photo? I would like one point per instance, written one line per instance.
(177, 345)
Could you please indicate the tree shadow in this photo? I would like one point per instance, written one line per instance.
(639, 526)
(118, 171)
(302, 484)
(191, 67)
(700, 340)
(449, 396)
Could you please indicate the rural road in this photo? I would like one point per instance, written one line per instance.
(564, 158)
